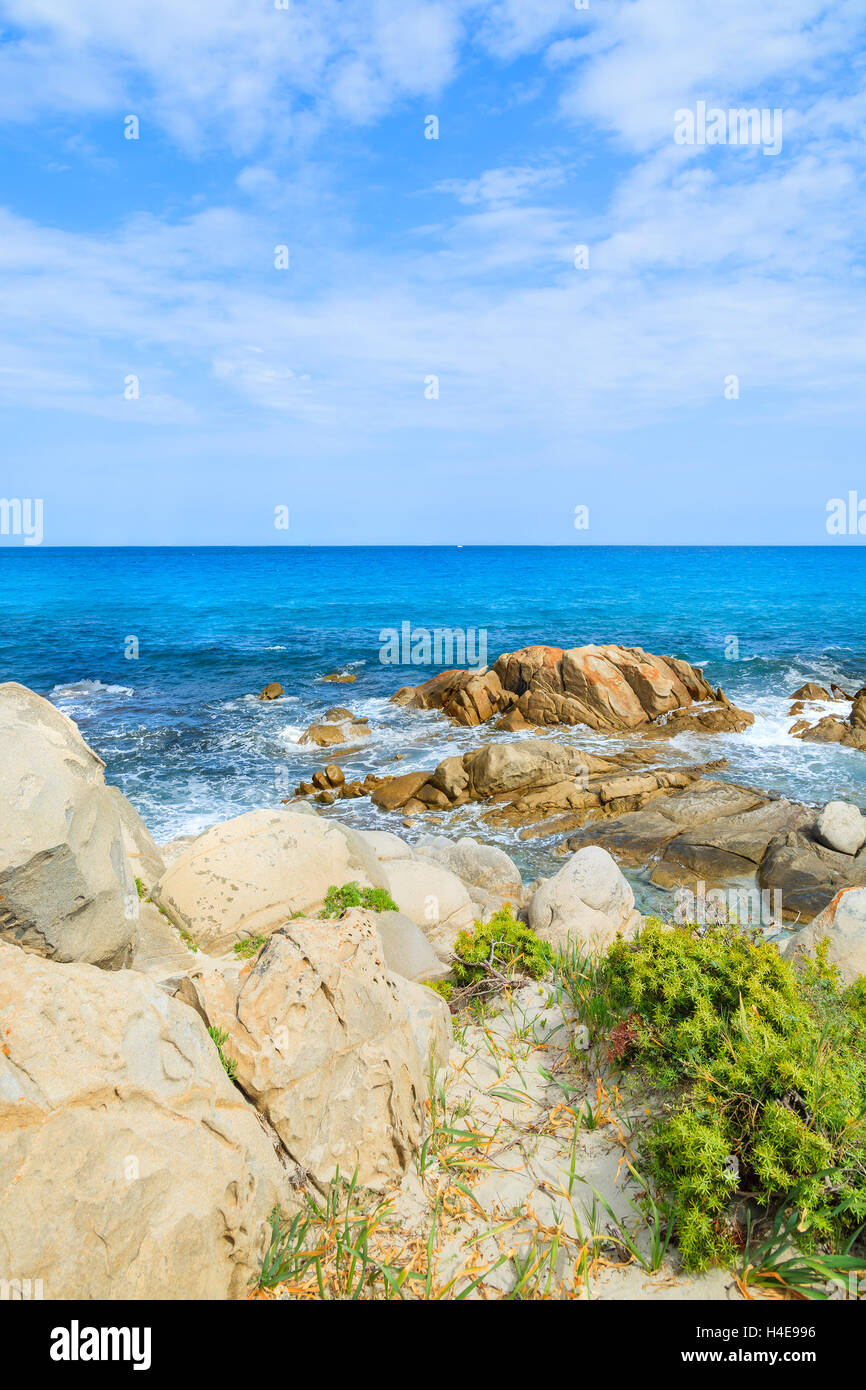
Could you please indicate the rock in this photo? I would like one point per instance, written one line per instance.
(839, 694)
(586, 903)
(842, 827)
(807, 873)
(273, 691)
(851, 731)
(406, 948)
(325, 1047)
(337, 715)
(811, 691)
(639, 836)
(393, 793)
(609, 687)
(247, 876)
(145, 859)
(333, 733)
(505, 767)
(335, 775)
(430, 1021)
(386, 846)
(340, 678)
(482, 866)
(66, 887)
(435, 900)
(450, 777)
(172, 850)
(160, 950)
(843, 924)
(130, 1166)
(512, 723)
(729, 847)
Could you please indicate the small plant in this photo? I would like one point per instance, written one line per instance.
(220, 1037)
(339, 900)
(503, 946)
(249, 947)
(140, 888)
(443, 987)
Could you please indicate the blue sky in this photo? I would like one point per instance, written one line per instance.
(304, 387)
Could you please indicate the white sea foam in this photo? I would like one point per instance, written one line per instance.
(87, 689)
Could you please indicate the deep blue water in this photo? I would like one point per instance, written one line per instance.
(183, 739)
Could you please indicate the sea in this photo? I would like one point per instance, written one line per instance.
(158, 654)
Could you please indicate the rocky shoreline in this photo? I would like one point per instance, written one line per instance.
(192, 1037)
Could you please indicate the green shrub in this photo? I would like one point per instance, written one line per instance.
(443, 987)
(219, 1036)
(338, 900)
(768, 1074)
(249, 946)
(508, 945)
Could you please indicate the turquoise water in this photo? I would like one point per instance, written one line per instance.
(185, 740)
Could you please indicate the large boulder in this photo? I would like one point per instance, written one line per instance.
(587, 903)
(130, 1166)
(393, 794)
(476, 864)
(434, 898)
(406, 949)
(145, 859)
(66, 888)
(247, 876)
(606, 687)
(325, 1046)
(843, 925)
(504, 767)
(842, 827)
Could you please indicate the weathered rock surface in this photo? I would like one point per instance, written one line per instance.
(586, 903)
(435, 899)
(607, 687)
(325, 1047)
(843, 924)
(338, 727)
(247, 876)
(407, 950)
(842, 827)
(807, 873)
(130, 1166)
(811, 691)
(529, 780)
(144, 857)
(717, 831)
(66, 887)
(850, 732)
(272, 691)
(476, 864)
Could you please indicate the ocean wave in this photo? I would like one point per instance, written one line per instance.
(88, 689)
